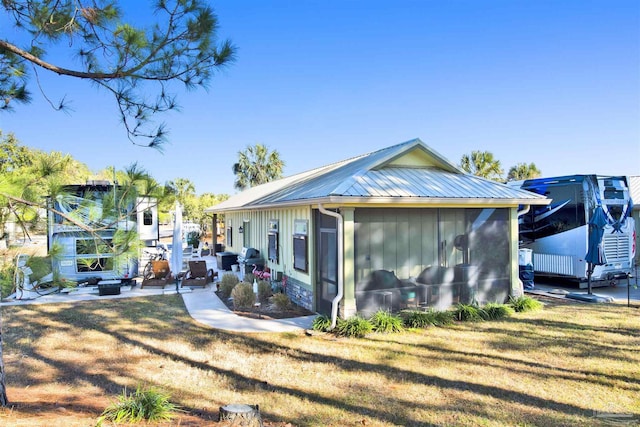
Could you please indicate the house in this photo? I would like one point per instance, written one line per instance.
(394, 228)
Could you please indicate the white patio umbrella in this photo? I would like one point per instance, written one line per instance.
(176, 249)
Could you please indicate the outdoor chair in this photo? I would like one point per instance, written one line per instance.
(198, 274)
(158, 275)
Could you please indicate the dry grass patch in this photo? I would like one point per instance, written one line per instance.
(66, 363)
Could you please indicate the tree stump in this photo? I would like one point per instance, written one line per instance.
(241, 415)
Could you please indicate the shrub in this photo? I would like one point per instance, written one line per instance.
(227, 283)
(282, 301)
(525, 303)
(248, 277)
(385, 322)
(264, 290)
(442, 318)
(243, 296)
(355, 327)
(321, 323)
(498, 311)
(424, 319)
(149, 404)
(7, 287)
(469, 313)
(193, 239)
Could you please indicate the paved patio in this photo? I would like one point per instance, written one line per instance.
(202, 304)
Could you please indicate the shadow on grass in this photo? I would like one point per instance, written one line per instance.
(132, 323)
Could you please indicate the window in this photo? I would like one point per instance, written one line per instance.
(272, 252)
(147, 217)
(273, 247)
(300, 253)
(300, 246)
(85, 265)
(246, 234)
(91, 246)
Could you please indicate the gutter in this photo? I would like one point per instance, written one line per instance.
(524, 211)
(418, 202)
(338, 297)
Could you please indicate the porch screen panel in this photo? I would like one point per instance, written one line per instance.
(400, 240)
(427, 229)
(390, 241)
(403, 249)
(489, 241)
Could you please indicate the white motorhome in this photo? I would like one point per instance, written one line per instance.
(88, 225)
(558, 234)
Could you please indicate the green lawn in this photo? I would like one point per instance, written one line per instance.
(568, 365)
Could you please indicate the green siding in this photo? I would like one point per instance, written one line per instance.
(256, 235)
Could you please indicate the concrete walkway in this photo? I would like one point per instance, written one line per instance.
(205, 307)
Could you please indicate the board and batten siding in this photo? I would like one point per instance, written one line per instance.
(404, 241)
(257, 222)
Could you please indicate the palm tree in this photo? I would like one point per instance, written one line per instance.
(523, 171)
(482, 164)
(182, 188)
(257, 166)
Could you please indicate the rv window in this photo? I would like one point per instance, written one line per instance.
(91, 246)
(85, 265)
(147, 217)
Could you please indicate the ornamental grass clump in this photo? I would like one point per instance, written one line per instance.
(264, 290)
(282, 301)
(469, 313)
(243, 296)
(497, 311)
(525, 303)
(321, 323)
(227, 283)
(353, 327)
(143, 404)
(425, 319)
(384, 322)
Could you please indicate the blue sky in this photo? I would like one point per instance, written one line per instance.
(556, 83)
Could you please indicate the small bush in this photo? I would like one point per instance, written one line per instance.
(7, 287)
(321, 323)
(282, 301)
(193, 238)
(498, 311)
(385, 322)
(264, 290)
(149, 404)
(353, 327)
(424, 319)
(469, 313)
(227, 283)
(525, 303)
(248, 277)
(443, 318)
(243, 296)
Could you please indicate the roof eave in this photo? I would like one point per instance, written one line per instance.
(395, 201)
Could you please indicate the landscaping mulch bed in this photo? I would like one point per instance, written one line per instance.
(267, 310)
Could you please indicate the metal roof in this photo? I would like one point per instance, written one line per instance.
(406, 173)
